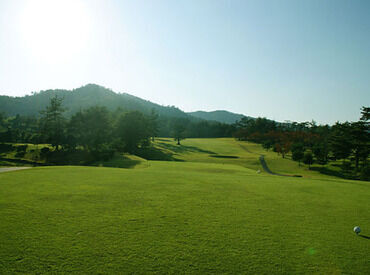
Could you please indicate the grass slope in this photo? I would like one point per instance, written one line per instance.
(231, 151)
(210, 150)
(180, 217)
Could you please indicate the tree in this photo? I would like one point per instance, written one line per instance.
(283, 143)
(90, 128)
(75, 131)
(321, 152)
(360, 141)
(2, 121)
(365, 173)
(308, 158)
(340, 141)
(52, 122)
(3, 128)
(365, 113)
(153, 124)
(297, 152)
(133, 130)
(178, 129)
(267, 144)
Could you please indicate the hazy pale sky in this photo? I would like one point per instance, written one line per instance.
(285, 60)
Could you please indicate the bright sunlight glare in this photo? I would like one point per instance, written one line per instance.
(54, 31)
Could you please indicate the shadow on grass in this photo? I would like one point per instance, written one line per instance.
(118, 163)
(364, 236)
(183, 148)
(224, 157)
(326, 171)
(152, 153)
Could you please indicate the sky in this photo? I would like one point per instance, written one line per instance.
(298, 60)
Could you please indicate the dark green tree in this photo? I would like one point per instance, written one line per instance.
(3, 128)
(308, 159)
(297, 152)
(321, 152)
(178, 129)
(360, 142)
(340, 141)
(267, 144)
(365, 113)
(153, 124)
(133, 130)
(90, 128)
(52, 122)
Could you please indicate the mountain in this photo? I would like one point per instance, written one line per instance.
(220, 116)
(81, 98)
(92, 95)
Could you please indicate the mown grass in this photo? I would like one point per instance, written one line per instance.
(120, 160)
(208, 212)
(180, 217)
(241, 153)
(211, 150)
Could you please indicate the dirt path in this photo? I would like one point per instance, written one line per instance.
(7, 169)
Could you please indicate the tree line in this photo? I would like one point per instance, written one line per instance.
(102, 132)
(311, 143)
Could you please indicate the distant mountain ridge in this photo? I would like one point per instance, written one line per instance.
(92, 95)
(81, 98)
(219, 115)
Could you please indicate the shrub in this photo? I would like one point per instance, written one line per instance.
(44, 152)
(365, 173)
(308, 159)
(21, 148)
(4, 148)
(105, 152)
(20, 154)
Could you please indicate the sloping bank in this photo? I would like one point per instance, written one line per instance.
(267, 169)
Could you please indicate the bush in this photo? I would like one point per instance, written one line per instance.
(365, 173)
(21, 148)
(21, 151)
(346, 166)
(308, 158)
(105, 152)
(347, 171)
(44, 152)
(20, 154)
(4, 148)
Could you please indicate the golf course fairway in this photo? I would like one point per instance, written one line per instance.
(182, 217)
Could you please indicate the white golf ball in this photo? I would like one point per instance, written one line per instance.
(357, 229)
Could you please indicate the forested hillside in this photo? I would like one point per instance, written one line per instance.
(82, 98)
(219, 116)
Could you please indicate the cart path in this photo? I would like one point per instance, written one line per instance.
(7, 169)
(267, 169)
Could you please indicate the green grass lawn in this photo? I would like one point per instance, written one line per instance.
(207, 212)
(211, 150)
(181, 217)
(246, 153)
